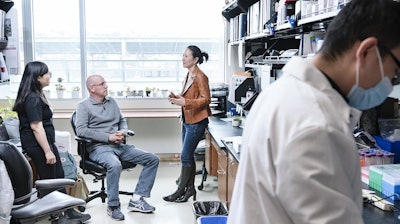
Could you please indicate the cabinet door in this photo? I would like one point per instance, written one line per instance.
(232, 170)
(211, 157)
(222, 174)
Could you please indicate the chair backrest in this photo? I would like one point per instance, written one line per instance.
(3, 132)
(19, 170)
(73, 116)
(81, 150)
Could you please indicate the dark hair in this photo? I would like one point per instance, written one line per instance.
(197, 53)
(361, 19)
(30, 84)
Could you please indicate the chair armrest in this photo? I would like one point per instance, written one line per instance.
(47, 186)
(130, 133)
(84, 140)
(54, 183)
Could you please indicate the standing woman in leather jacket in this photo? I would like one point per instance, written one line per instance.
(36, 127)
(194, 101)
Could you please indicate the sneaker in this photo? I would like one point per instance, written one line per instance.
(64, 220)
(140, 206)
(73, 215)
(115, 213)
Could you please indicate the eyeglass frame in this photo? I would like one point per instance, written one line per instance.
(101, 84)
(396, 78)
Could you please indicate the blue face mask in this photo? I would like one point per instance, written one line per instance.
(364, 99)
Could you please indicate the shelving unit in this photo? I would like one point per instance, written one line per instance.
(271, 39)
(235, 7)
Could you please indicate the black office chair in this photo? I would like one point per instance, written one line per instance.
(88, 166)
(35, 204)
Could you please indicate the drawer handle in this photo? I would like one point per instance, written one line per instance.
(221, 172)
(221, 153)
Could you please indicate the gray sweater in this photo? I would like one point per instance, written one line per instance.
(97, 121)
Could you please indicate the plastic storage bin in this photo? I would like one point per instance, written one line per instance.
(212, 219)
(209, 208)
(375, 177)
(389, 146)
(391, 181)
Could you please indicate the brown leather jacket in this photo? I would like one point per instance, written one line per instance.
(197, 98)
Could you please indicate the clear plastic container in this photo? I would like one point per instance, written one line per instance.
(387, 129)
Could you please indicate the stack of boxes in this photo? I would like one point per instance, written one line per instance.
(384, 179)
(381, 168)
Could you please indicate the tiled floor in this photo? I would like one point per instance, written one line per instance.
(166, 212)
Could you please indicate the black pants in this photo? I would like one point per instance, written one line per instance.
(46, 171)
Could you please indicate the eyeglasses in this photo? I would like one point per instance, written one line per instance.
(396, 77)
(101, 84)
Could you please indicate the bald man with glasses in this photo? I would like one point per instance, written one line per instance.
(99, 118)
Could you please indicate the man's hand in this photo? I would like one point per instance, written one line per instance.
(118, 137)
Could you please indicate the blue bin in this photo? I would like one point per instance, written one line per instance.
(389, 146)
(212, 219)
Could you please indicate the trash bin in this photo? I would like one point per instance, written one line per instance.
(218, 219)
(209, 208)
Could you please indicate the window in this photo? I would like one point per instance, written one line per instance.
(133, 44)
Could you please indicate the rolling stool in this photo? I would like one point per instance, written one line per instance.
(200, 155)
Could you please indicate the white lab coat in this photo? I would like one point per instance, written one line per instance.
(299, 162)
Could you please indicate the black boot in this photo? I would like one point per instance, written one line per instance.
(185, 176)
(190, 189)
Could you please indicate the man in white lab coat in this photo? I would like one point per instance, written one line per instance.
(299, 162)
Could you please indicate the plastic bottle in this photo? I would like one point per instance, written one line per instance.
(362, 158)
(367, 159)
(319, 41)
(392, 158)
(281, 17)
(379, 158)
(386, 158)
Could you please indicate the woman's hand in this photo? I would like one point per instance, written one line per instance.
(171, 95)
(50, 157)
(177, 100)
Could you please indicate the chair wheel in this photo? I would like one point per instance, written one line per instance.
(81, 208)
(200, 187)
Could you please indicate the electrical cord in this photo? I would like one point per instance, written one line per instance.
(382, 203)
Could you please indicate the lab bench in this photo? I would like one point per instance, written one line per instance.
(222, 161)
